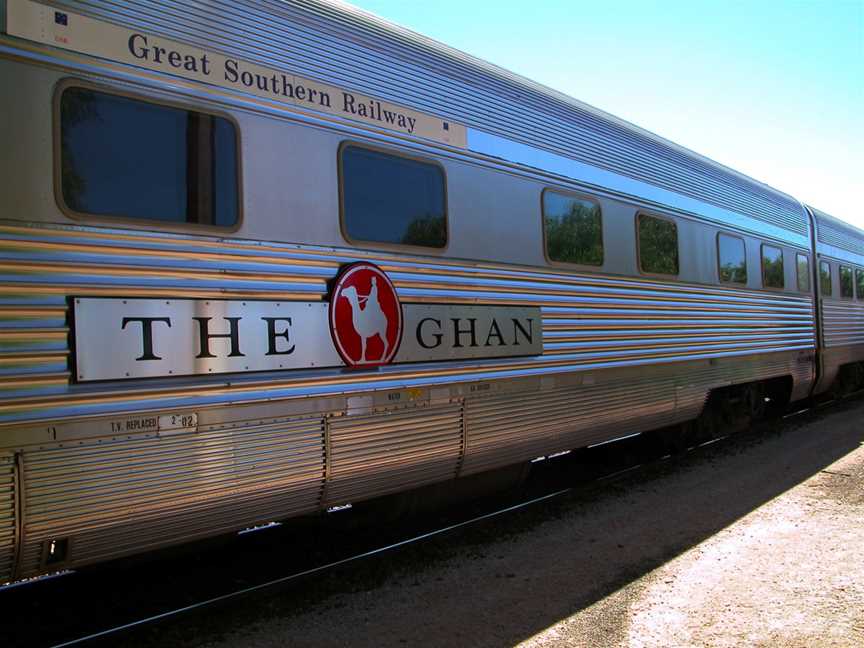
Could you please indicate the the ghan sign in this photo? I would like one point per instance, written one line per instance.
(363, 325)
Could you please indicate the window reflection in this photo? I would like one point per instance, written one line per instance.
(731, 258)
(772, 267)
(859, 280)
(803, 268)
(658, 245)
(846, 289)
(133, 159)
(825, 278)
(574, 229)
(392, 199)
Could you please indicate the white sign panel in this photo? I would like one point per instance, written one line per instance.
(70, 31)
(141, 338)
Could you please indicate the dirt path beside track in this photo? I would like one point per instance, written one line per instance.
(761, 544)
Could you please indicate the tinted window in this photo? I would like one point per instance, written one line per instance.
(803, 268)
(732, 259)
(133, 159)
(859, 279)
(846, 281)
(772, 267)
(392, 199)
(825, 278)
(658, 245)
(574, 229)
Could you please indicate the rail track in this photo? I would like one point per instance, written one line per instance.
(80, 608)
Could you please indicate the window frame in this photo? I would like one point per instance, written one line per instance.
(398, 153)
(851, 270)
(148, 223)
(762, 265)
(806, 257)
(859, 294)
(577, 196)
(830, 279)
(640, 214)
(746, 269)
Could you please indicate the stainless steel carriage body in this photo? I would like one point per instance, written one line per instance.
(839, 249)
(622, 351)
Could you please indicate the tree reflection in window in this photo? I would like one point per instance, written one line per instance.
(803, 268)
(825, 278)
(772, 267)
(658, 245)
(846, 290)
(859, 281)
(574, 229)
(129, 158)
(731, 257)
(388, 198)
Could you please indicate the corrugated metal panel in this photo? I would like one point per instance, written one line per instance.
(349, 48)
(833, 231)
(843, 322)
(589, 321)
(384, 452)
(117, 496)
(7, 516)
(509, 428)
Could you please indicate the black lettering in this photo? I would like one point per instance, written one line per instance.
(231, 70)
(287, 88)
(157, 53)
(411, 122)
(348, 103)
(136, 50)
(494, 331)
(205, 336)
(205, 64)
(261, 81)
(459, 332)
(272, 335)
(517, 328)
(174, 58)
(312, 93)
(190, 63)
(246, 78)
(300, 91)
(325, 99)
(437, 336)
(146, 334)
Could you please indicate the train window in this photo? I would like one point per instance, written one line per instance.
(803, 270)
(825, 278)
(388, 198)
(133, 159)
(658, 245)
(731, 259)
(846, 290)
(573, 228)
(859, 280)
(772, 267)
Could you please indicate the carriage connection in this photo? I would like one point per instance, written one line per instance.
(264, 258)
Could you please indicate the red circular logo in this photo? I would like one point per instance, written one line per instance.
(365, 316)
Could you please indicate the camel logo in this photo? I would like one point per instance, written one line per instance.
(365, 316)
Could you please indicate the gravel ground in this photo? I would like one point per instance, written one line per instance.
(757, 544)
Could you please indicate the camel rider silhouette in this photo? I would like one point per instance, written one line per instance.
(373, 294)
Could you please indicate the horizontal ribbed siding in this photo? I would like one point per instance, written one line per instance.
(350, 49)
(382, 453)
(507, 429)
(588, 321)
(843, 322)
(115, 496)
(833, 231)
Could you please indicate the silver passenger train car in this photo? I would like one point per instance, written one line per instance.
(264, 258)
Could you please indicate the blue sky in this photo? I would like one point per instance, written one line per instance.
(772, 88)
